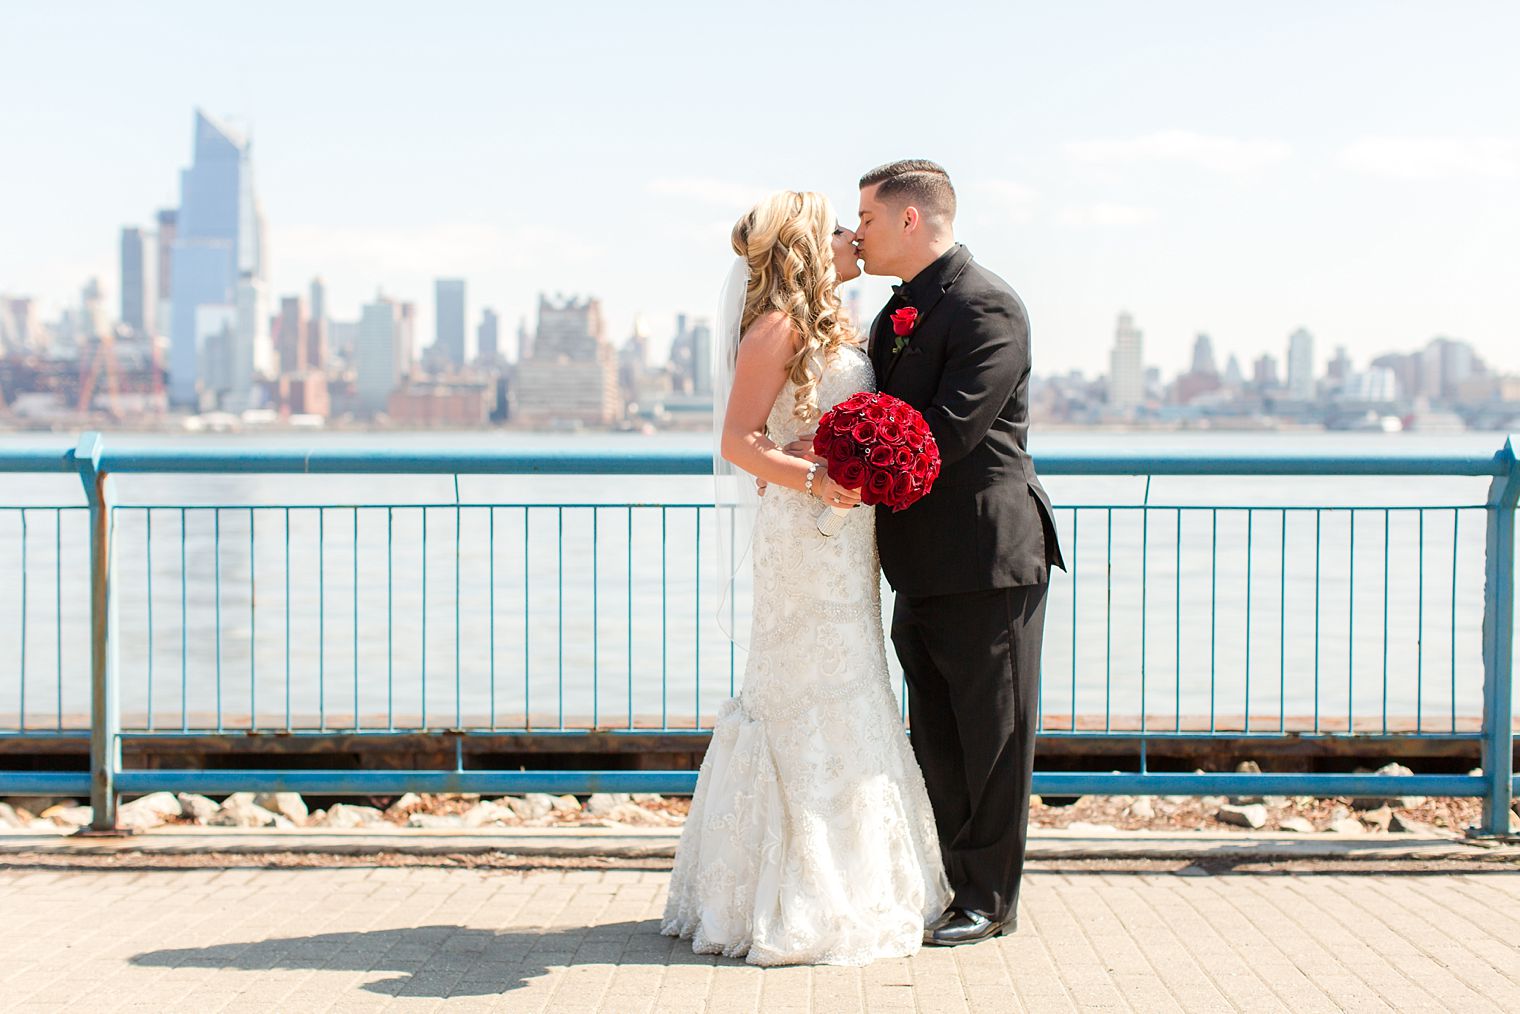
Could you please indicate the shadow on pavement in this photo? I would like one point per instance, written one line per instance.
(442, 961)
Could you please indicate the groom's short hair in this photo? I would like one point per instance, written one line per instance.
(915, 181)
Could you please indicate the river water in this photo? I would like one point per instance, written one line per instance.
(328, 603)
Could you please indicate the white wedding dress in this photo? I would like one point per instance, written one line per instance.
(810, 837)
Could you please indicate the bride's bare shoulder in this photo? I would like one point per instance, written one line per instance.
(771, 332)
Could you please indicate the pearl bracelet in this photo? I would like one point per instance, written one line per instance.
(813, 468)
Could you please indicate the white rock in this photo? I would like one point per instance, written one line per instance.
(567, 804)
(532, 806)
(1408, 825)
(1142, 808)
(136, 818)
(541, 801)
(635, 815)
(1248, 767)
(149, 811)
(434, 821)
(199, 807)
(1378, 819)
(34, 805)
(9, 817)
(343, 815)
(165, 804)
(1036, 801)
(647, 797)
(287, 804)
(239, 810)
(1297, 825)
(404, 805)
(1252, 816)
(604, 803)
(1212, 802)
(1410, 802)
(1347, 825)
(488, 813)
(68, 816)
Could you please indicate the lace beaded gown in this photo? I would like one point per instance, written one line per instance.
(810, 837)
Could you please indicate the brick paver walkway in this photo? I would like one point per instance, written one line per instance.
(456, 939)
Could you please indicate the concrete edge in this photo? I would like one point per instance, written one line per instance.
(657, 843)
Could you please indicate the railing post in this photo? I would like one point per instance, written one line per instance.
(105, 714)
(1499, 645)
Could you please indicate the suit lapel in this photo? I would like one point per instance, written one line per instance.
(891, 360)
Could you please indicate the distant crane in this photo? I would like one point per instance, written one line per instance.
(103, 357)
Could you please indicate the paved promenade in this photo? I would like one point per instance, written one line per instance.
(1126, 934)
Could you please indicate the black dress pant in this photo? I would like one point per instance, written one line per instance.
(972, 663)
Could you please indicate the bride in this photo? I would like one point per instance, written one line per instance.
(810, 837)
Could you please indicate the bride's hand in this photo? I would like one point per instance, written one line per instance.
(833, 494)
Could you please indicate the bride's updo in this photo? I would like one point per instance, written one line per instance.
(786, 239)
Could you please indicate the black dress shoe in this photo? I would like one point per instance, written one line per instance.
(967, 927)
(939, 921)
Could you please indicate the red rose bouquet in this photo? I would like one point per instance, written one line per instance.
(879, 445)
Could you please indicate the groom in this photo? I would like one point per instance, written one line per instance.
(971, 561)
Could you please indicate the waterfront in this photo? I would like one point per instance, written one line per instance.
(623, 631)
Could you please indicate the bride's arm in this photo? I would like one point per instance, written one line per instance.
(759, 375)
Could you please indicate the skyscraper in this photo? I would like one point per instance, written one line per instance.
(291, 335)
(139, 296)
(1126, 370)
(164, 276)
(406, 339)
(572, 374)
(316, 327)
(488, 336)
(1203, 356)
(448, 319)
(376, 355)
(701, 357)
(1301, 365)
(217, 261)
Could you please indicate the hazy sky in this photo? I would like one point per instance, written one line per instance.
(1240, 170)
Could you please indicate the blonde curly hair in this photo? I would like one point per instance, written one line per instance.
(787, 241)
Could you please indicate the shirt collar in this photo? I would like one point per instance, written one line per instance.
(932, 280)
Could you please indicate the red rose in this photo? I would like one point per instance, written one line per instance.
(882, 456)
(839, 450)
(890, 432)
(903, 321)
(864, 431)
(902, 492)
(856, 401)
(922, 468)
(904, 458)
(878, 486)
(851, 474)
(876, 412)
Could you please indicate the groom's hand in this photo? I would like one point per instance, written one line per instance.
(799, 448)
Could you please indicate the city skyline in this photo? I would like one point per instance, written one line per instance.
(1202, 170)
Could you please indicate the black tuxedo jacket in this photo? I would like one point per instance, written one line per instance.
(987, 523)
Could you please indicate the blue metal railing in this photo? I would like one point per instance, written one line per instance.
(260, 612)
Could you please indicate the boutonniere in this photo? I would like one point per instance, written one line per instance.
(903, 323)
